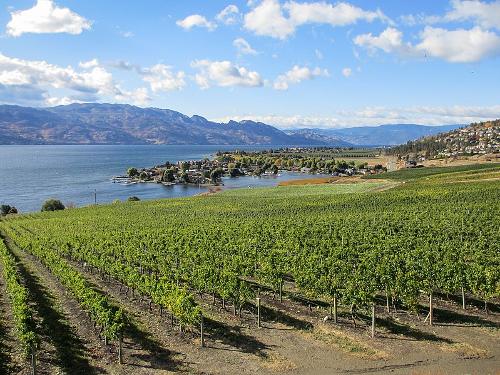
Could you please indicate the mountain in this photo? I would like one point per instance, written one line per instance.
(382, 135)
(475, 139)
(126, 124)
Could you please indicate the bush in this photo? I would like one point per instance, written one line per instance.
(5, 209)
(132, 172)
(53, 205)
(133, 199)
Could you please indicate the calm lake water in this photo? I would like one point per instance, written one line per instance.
(31, 174)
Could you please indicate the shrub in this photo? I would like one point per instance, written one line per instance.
(52, 205)
(133, 199)
(5, 209)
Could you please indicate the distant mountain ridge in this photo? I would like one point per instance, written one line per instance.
(126, 124)
(382, 135)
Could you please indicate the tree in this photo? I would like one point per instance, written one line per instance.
(216, 174)
(52, 205)
(5, 209)
(133, 199)
(132, 172)
(168, 175)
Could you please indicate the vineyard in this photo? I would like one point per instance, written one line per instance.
(364, 274)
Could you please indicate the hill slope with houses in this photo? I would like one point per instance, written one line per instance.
(476, 139)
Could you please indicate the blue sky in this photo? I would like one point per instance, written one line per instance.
(288, 63)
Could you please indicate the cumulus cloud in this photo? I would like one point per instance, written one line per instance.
(91, 83)
(270, 18)
(372, 116)
(390, 40)
(296, 75)
(459, 46)
(224, 74)
(46, 17)
(347, 72)
(456, 46)
(244, 47)
(229, 15)
(162, 78)
(481, 13)
(195, 20)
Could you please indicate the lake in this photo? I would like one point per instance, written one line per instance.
(31, 174)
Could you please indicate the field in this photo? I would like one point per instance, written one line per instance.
(398, 275)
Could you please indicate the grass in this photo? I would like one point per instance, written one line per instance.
(294, 191)
(417, 173)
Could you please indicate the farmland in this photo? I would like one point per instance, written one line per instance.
(401, 274)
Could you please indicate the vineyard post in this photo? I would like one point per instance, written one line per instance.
(335, 308)
(281, 290)
(388, 308)
(430, 308)
(373, 320)
(120, 341)
(258, 312)
(33, 360)
(463, 298)
(201, 331)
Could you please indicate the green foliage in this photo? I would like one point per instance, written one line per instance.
(19, 298)
(52, 205)
(332, 240)
(5, 209)
(132, 172)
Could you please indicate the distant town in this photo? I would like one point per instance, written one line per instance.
(307, 160)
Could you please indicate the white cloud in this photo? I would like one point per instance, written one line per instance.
(270, 18)
(93, 83)
(224, 74)
(483, 14)
(229, 15)
(456, 46)
(372, 116)
(46, 17)
(195, 20)
(319, 54)
(53, 101)
(390, 40)
(340, 14)
(161, 78)
(459, 46)
(89, 64)
(138, 96)
(244, 47)
(267, 19)
(296, 75)
(347, 72)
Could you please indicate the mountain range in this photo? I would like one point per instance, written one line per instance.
(126, 124)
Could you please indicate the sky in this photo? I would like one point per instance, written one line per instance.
(289, 63)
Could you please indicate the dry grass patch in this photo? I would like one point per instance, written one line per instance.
(465, 350)
(276, 362)
(346, 343)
